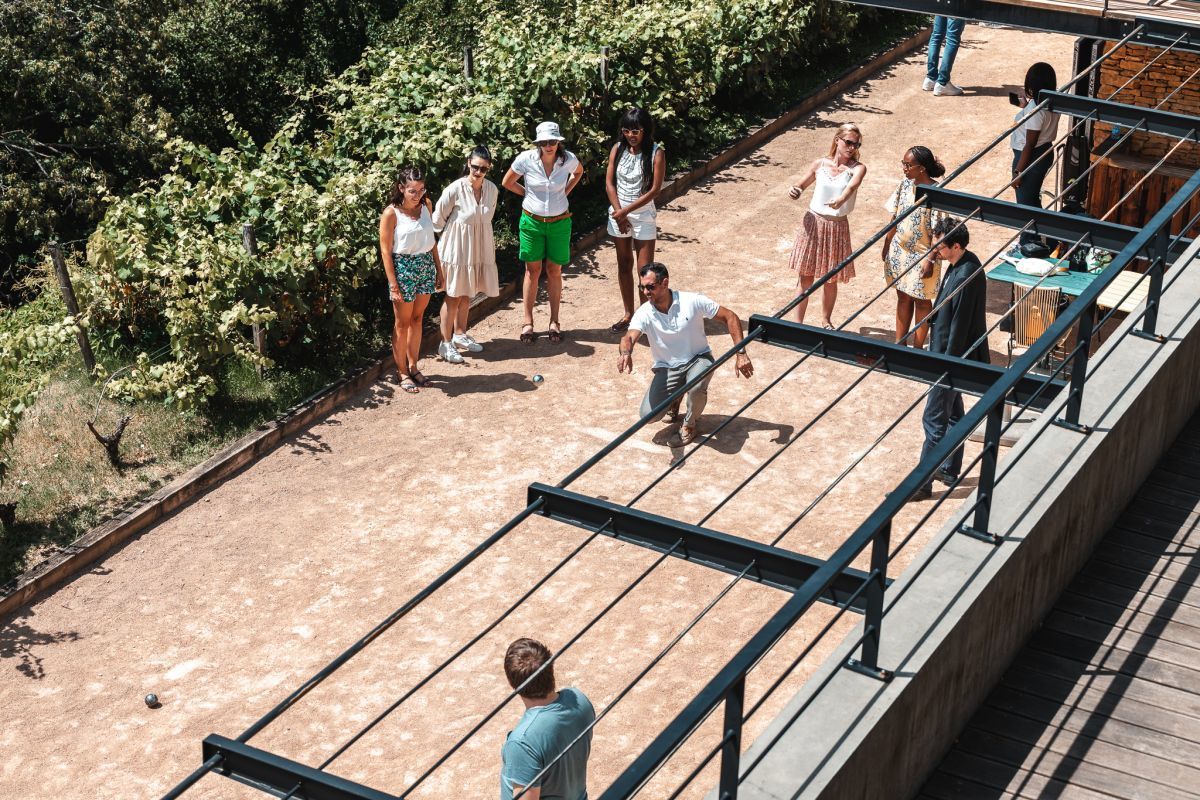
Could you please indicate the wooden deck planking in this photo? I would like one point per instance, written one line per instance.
(1104, 700)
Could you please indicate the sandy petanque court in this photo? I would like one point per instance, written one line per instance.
(233, 602)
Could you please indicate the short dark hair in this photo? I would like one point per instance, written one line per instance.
(657, 267)
(523, 658)
(952, 231)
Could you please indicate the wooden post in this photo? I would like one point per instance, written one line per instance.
(604, 66)
(468, 63)
(68, 293)
(251, 246)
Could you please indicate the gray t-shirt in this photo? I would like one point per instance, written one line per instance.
(543, 733)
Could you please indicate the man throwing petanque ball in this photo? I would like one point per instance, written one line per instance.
(674, 324)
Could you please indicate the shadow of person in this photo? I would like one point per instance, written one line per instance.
(731, 437)
(510, 349)
(458, 384)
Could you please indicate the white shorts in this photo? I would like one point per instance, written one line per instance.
(643, 221)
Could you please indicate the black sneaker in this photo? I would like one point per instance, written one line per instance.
(944, 477)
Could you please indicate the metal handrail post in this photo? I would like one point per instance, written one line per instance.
(987, 477)
(1079, 362)
(1158, 265)
(731, 750)
(868, 664)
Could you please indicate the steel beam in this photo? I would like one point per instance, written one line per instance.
(1179, 126)
(773, 566)
(279, 776)
(1156, 33)
(967, 376)
(1055, 224)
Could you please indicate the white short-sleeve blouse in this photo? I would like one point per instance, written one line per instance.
(545, 195)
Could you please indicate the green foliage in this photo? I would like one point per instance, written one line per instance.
(88, 85)
(168, 259)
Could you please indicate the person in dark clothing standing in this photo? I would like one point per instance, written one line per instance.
(957, 327)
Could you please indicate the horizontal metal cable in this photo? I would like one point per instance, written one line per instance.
(471, 643)
(1146, 177)
(645, 671)
(487, 718)
(859, 459)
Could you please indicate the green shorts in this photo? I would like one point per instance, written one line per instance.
(545, 240)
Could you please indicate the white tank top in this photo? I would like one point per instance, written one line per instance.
(828, 187)
(412, 236)
(629, 175)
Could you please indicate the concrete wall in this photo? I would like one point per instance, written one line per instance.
(968, 606)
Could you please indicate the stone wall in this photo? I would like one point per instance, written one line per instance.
(1169, 73)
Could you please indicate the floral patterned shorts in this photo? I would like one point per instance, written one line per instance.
(415, 274)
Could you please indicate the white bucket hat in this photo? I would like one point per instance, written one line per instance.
(547, 131)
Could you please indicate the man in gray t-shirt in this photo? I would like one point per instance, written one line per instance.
(546, 754)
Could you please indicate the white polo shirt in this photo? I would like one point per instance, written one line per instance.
(545, 195)
(676, 336)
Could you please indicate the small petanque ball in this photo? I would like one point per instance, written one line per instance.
(538, 379)
(152, 700)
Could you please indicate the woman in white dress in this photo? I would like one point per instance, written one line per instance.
(636, 167)
(463, 217)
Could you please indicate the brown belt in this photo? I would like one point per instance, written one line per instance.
(539, 218)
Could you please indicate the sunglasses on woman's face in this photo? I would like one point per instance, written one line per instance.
(627, 131)
(853, 144)
(481, 169)
(546, 144)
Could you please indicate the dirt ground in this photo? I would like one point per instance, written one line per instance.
(233, 602)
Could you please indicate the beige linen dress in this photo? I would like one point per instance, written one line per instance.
(466, 247)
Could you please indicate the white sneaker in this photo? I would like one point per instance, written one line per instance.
(946, 89)
(448, 354)
(928, 85)
(466, 343)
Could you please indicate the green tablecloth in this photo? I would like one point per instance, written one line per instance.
(1070, 283)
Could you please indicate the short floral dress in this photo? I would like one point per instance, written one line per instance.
(911, 243)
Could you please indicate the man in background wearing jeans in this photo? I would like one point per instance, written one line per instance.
(947, 31)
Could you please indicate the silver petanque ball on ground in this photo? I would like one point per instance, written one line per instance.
(538, 379)
(152, 700)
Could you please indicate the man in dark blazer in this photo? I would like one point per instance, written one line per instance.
(957, 327)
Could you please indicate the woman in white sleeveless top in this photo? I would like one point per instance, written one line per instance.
(636, 167)
(463, 217)
(414, 271)
(823, 238)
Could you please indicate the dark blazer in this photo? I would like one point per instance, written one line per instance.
(960, 322)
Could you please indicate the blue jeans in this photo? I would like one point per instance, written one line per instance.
(948, 30)
(1029, 193)
(943, 409)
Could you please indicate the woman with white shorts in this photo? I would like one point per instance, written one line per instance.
(636, 167)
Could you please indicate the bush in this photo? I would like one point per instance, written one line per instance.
(168, 258)
(87, 84)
